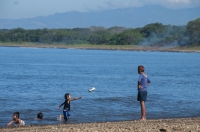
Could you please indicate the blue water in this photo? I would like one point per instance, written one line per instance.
(36, 79)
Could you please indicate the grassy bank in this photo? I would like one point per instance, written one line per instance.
(106, 47)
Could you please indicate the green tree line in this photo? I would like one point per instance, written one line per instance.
(154, 34)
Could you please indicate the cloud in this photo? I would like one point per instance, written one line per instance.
(179, 1)
(176, 4)
(124, 4)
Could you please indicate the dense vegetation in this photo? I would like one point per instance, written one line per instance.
(154, 34)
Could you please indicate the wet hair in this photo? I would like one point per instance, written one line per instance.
(17, 114)
(140, 68)
(40, 115)
(66, 95)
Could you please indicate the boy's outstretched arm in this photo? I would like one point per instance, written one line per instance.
(76, 98)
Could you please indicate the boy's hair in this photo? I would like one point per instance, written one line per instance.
(16, 113)
(141, 68)
(40, 115)
(66, 95)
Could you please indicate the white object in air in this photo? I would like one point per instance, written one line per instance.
(92, 89)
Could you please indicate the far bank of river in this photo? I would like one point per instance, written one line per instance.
(105, 47)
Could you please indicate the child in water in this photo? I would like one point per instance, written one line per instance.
(16, 120)
(39, 116)
(66, 104)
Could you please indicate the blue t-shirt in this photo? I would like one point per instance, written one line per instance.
(143, 80)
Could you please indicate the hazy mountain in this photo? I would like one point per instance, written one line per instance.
(126, 17)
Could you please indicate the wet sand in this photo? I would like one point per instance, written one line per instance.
(157, 125)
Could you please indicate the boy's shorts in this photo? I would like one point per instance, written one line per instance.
(142, 96)
(66, 114)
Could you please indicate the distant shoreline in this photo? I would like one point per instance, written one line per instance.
(105, 47)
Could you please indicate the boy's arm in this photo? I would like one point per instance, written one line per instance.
(60, 105)
(75, 98)
(139, 80)
(139, 86)
(148, 81)
(10, 123)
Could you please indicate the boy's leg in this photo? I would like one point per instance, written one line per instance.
(68, 115)
(65, 114)
(61, 116)
(143, 110)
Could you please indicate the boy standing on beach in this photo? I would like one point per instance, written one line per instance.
(143, 82)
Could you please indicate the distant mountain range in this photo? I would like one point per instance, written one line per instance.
(126, 17)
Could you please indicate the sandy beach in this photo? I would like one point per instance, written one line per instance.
(154, 125)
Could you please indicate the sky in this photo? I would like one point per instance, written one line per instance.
(17, 9)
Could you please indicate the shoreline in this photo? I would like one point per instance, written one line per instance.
(108, 47)
(152, 125)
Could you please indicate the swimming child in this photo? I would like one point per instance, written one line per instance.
(39, 116)
(143, 82)
(16, 120)
(66, 104)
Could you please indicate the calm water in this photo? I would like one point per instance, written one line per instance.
(36, 79)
